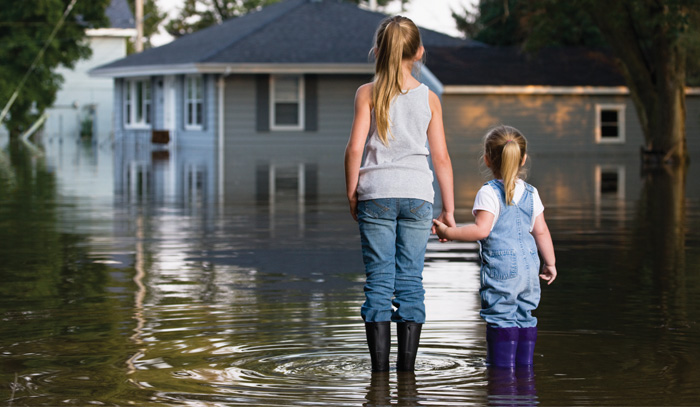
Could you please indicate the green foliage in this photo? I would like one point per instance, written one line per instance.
(531, 24)
(152, 19)
(25, 26)
(198, 14)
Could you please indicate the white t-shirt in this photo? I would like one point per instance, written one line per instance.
(487, 200)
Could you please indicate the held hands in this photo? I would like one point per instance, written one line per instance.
(441, 224)
(549, 274)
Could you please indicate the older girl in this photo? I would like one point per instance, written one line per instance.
(510, 228)
(391, 192)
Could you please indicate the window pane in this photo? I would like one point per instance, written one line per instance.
(286, 88)
(127, 113)
(608, 116)
(286, 114)
(609, 131)
(199, 113)
(148, 113)
(139, 102)
(199, 93)
(190, 112)
(189, 88)
(147, 90)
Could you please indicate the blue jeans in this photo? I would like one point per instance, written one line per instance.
(394, 234)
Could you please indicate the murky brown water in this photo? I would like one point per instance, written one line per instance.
(129, 278)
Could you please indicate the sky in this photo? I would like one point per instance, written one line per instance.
(433, 14)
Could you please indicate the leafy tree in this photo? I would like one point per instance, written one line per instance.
(198, 14)
(152, 19)
(25, 26)
(655, 42)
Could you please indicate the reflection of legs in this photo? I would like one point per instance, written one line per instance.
(406, 390)
(378, 394)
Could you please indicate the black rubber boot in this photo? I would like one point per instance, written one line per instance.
(409, 339)
(379, 343)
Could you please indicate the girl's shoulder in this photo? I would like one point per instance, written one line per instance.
(365, 89)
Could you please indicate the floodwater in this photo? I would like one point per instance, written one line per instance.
(138, 277)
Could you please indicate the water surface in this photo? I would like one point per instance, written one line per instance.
(128, 277)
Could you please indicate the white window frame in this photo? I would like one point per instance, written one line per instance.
(130, 105)
(189, 80)
(620, 108)
(300, 100)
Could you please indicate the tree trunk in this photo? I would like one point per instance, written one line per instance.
(644, 37)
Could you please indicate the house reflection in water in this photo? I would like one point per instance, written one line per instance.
(154, 174)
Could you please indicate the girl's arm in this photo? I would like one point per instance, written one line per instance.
(544, 244)
(478, 230)
(441, 163)
(356, 143)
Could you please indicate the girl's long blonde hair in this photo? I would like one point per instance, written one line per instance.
(396, 39)
(505, 147)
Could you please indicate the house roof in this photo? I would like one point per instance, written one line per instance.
(292, 32)
(120, 15)
(509, 66)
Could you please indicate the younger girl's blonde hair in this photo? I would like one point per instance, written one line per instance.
(505, 147)
(396, 39)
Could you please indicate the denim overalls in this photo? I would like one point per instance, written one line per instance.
(510, 288)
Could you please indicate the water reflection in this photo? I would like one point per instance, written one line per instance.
(151, 276)
(512, 386)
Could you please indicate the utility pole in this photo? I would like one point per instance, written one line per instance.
(138, 5)
(373, 5)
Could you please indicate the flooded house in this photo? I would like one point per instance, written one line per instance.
(573, 106)
(262, 103)
(84, 105)
(259, 109)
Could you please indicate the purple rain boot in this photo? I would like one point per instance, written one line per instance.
(526, 346)
(501, 346)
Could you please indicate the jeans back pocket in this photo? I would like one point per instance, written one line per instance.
(500, 264)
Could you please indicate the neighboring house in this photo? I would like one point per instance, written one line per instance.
(87, 103)
(270, 94)
(565, 100)
(572, 105)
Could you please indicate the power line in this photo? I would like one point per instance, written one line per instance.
(36, 60)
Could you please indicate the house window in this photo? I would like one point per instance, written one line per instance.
(137, 103)
(287, 102)
(610, 123)
(194, 102)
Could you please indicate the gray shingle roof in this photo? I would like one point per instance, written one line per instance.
(509, 66)
(292, 31)
(120, 15)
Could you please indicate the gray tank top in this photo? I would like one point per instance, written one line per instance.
(400, 170)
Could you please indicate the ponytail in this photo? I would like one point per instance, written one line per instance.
(397, 38)
(505, 147)
(510, 167)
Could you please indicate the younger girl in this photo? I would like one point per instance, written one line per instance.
(510, 228)
(391, 192)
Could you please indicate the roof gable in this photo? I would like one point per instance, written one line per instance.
(120, 15)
